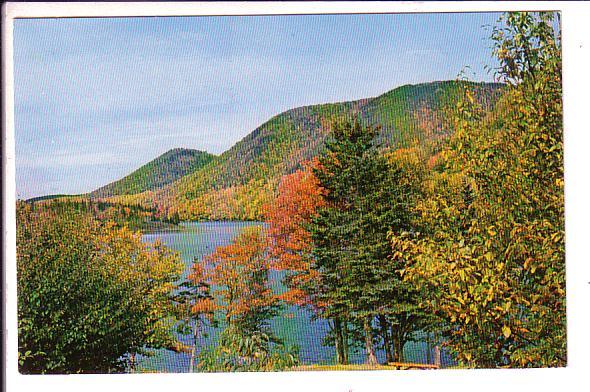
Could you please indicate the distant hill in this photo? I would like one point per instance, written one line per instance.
(157, 173)
(238, 183)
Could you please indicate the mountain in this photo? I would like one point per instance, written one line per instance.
(157, 173)
(238, 183)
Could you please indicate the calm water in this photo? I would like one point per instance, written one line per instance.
(295, 325)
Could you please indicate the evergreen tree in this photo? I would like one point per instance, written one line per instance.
(365, 200)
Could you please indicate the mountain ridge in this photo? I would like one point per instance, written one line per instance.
(238, 182)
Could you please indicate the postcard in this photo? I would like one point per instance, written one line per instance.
(288, 192)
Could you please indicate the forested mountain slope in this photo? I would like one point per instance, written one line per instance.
(157, 173)
(238, 183)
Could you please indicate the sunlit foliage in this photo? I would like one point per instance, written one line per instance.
(89, 293)
(493, 252)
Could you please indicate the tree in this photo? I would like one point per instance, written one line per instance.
(494, 257)
(404, 312)
(366, 198)
(298, 198)
(239, 274)
(195, 306)
(90, 294)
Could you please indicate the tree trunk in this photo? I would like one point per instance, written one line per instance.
(371, 358)
(345, 342)
(437, 356)
(398, 345)
(132, 362)
(428, 349)
(191, 367)
(386, 341)
(399, 350)
(338, 341)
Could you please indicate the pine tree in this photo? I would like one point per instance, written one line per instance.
(366, 198)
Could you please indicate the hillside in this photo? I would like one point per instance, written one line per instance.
(157, 173)
(240, 181)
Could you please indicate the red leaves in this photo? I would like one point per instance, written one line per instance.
(299, 197)
(239, 273)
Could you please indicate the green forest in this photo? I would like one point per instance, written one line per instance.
(432, 209)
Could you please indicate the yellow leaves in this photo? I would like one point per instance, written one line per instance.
(490, 294)
(527, 263)
(468, 356)
(506, 331)
(462, 275)
(559, 182)
(494, 218)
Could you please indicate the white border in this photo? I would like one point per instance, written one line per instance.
(576, 37)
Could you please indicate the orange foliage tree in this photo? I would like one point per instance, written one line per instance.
(299, 196)
(242, 296)
(239, 272)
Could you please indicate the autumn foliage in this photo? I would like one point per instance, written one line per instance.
(90, 294)
(452, 226)
(243, 299)
(491, 254)
(298, 198)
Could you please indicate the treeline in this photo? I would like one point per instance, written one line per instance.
(463, 238)
(135, 216)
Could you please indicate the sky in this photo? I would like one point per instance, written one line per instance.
(96, 98)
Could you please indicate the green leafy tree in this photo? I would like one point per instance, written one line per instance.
(255, 352)
(90, 295)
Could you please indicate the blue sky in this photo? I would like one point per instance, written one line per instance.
(97, 98)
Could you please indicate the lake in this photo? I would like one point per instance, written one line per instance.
(295, 325)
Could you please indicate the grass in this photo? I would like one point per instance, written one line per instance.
(400, 366)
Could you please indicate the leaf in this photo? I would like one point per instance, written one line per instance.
(506, 331)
